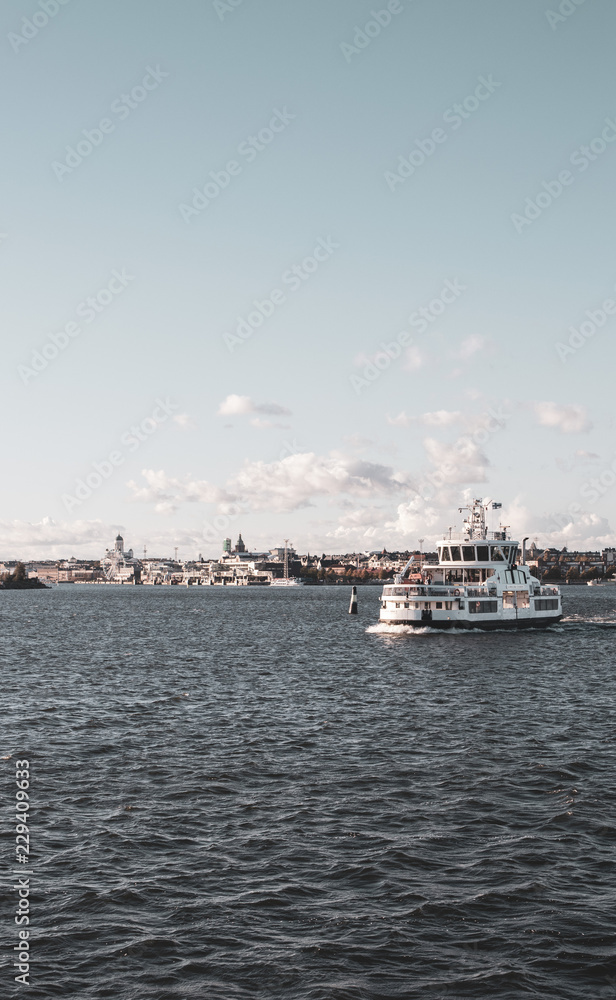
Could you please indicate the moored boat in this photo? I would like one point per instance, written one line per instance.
(477, 584)
(286, 580)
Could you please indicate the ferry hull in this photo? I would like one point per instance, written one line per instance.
(484, 626)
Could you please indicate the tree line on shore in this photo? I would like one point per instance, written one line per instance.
(19, 580)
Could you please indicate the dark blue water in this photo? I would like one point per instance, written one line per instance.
(245, 794)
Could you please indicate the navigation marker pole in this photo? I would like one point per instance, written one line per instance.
(353, 604)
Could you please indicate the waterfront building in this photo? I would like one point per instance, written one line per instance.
(119, 566)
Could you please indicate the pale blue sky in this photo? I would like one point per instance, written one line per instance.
(321, 177)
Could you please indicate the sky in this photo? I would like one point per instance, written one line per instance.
(307, 270)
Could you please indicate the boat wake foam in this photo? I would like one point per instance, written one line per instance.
(382, 628)
(589, 620)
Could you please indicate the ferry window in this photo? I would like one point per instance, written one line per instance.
(497, 554)
(505, 549)
(514, 552)
(469, 553)
(483, 553)
(448, 605)
(455, 553)
(406, 604)
(439, 604)
(482, 607)
(445, 557)
(550, 604)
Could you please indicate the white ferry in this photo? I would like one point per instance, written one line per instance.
(475, 585)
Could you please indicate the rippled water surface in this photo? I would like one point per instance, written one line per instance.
(245, 794)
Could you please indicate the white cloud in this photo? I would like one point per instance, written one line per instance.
(401, 420)
(290, 483)
(441, 418)
(580, 457)
(167, 493)
(358, 527)
(415, 519)
(262, 425)
(358, 442)
(413, 359)
(571, 418)
(297, 480)
(586, 531)
(373, 527)
(582, 532)
(49, 539)
(469, 346)
(438, 418)
(460, 462)
(235, 405)
(184, 421)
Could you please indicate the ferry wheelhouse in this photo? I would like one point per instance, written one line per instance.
(480, 582)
